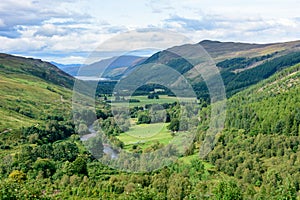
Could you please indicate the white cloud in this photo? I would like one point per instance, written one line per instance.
(74, 26)
(243, 29)
(2, 24)
(143, 39)
(68, 59)
(16, 14)
(159, 6)
(50, 30)
(20, 44)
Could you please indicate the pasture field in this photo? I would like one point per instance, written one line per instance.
(146, 134)
(144, 100)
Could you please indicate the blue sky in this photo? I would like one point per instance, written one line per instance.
(67, 31)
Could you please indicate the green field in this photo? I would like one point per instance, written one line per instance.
(144, 100)
(146, 134)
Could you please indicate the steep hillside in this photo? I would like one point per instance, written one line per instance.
(31, 91)
(260, 143)
(35, 67)
(240, 64)
(272, 106)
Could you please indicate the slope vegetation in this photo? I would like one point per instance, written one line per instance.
(31, 91)
(260, 143)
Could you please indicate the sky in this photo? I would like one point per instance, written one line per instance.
(68, 31)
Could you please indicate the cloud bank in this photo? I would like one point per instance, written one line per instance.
(68, 31)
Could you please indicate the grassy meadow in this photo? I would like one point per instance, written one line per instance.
(146, 134)
(144, 100)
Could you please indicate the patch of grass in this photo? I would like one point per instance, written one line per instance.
(144, 133)
(144, 100)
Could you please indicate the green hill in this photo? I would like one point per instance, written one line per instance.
(31, 91)
(240, 64)
(260, 143)
(272, 106)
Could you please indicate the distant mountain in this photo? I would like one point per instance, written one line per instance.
(219, 49)
(111, 68)
(240, 64)
(31, 91)
(71, 69)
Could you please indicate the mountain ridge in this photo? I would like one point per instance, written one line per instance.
(111, 68)
(241, 60)
(36, 67)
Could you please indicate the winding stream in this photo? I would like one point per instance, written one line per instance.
(107, 149)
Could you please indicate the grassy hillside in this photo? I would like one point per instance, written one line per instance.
(31, 91)
(35, 67)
